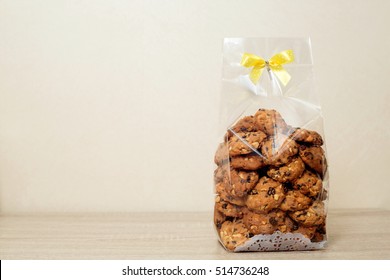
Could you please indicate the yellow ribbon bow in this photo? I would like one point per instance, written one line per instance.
(274, 64)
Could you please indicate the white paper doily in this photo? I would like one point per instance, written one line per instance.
(279, 241)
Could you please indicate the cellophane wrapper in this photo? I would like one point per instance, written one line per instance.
(271, 176)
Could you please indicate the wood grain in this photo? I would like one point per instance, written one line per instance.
(353, 234)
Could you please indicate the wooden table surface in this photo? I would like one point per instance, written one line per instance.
(353, 234)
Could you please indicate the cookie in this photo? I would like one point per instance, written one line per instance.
(267, 195)
(228, 209)
(288, 225)
(245, 143)
(279, 150)
(246, 124)
(318, 237)
(247, 162)
(320, 234)
(307, 232)
(309, 184)
(263, 223)
(233, 234)
(220, 174)
(312, 216)
(222, 154)
(220, 190)
(307, 136)
(314, 157)
(294, 201)
(219, 218)
(239, 182)
(270, 121)
(291, 226)
(288, 172)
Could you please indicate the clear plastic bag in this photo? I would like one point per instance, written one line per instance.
(271, 180)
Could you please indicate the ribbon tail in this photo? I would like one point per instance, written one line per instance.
(255, 74)
(283, 76)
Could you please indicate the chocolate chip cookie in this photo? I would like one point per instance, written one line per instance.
(270, 121)
(240, 182)
(314, 157)
(247, 162)
(233, 234)
(245, 143)
(309, 184)
(221, 191)
(228, 209)
(294, 201)
(279, 150)
(219, 218)
(268, 194)
(263, 223)
(308, 232)
(312, 216)
(288, 225)
(246, 124)
(288, 172)
(307, 136)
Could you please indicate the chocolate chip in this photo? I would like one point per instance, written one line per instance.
(303, 147)
(321, 230)
(250, 235)
(224, 206)
(273, 221)
(248, 179)
(271, 191)
(295, 227)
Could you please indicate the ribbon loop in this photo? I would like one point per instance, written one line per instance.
(275, 64)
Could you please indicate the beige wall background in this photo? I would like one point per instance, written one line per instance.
(113, 105)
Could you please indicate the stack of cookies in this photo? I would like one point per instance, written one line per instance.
(269, 179)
